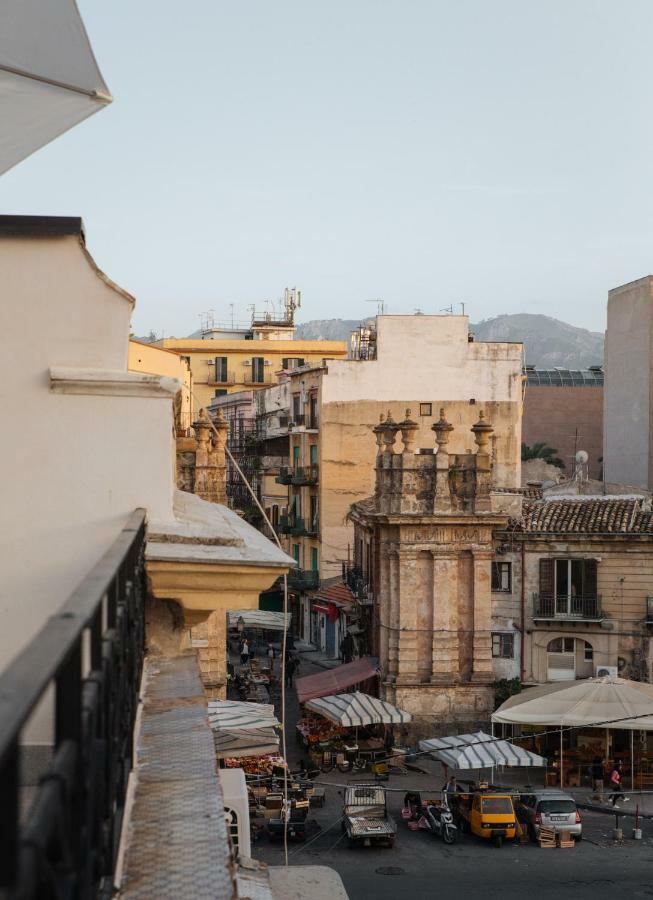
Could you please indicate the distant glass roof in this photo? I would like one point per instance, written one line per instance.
(564, 377)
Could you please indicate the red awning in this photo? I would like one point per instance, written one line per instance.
(333, 681)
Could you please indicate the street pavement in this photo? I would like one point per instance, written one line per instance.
(421, 865)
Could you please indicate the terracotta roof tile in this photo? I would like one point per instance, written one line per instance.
(340, 593)
(587, 516)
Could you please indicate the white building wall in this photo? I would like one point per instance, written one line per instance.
(74, 466)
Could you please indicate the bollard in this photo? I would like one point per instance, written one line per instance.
(617, 834)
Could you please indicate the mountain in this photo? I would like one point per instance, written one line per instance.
(548, 342)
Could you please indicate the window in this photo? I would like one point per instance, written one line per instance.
(296, 407)
(426, 409)
(501, 577)
(313, 452)
(503, 645)
(220, 392)
(314, 560)
(292, 362)
(561, 645)
(312, 406)
(568, 587)
(313, 522)
(295, 455)
(275, 514)
(588, 652)
(258, 370)
(295, 552)
(221, 368)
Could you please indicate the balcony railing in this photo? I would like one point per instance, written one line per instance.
(304, 580)
(305, 475)
(91, 652)
(290, 525)
(312, 527)
(250, 377)
(285, 476)
(297, 421)
(354, 578)
(547, 606)
(221, 378)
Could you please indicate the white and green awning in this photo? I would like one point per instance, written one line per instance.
(243, 729)
(246, 742)
(259, 618)
(479, 751)
(358, 709)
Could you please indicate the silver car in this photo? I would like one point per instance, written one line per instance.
(549, 809)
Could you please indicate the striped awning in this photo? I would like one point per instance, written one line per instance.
(333, 681)
(479, 751)
(358, 709)
(246, 742)
(259, 618)
(233, 715)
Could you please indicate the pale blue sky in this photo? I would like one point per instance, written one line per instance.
(425, 152)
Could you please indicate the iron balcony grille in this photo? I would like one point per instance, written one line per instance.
(305, 475)
(548, 606)
(91, 651)
(285, 475)
(250, 377)
(221, 378)
(297, 421)
(304, 580)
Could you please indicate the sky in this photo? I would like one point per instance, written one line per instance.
(423, 152)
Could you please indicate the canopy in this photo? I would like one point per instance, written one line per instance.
(230, 715)
(259, 618)
(333, 681)
(608, 702)
(243, 729)
(246, 742)
(479, 751)
(49, 79)
(358, 709)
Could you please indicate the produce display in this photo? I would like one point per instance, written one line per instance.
(318, 731)
(255, 765)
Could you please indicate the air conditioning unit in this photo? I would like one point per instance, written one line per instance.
(606, 671)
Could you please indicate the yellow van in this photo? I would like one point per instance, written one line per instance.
(488, 815)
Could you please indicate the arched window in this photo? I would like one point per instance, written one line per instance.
(569, 658)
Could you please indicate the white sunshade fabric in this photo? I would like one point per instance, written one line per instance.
(608, 702)
(479, 751)
(259, 618)
(49, 79)
(243, 729)
(357, 709)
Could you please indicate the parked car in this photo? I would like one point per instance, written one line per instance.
(487, 814)
(365, 817)
(549, 809)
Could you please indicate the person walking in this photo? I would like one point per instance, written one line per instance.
(271, 657)
(291, 665)
(597, 776)
(244, 652)
(615, 783)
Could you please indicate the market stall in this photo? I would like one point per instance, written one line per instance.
(243, 729)
(479, 751)
(334, 681)
(609, 704)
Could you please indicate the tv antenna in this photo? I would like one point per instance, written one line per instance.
(380, 305)
(448, 309)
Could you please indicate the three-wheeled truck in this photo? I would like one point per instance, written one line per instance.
(365, 818)
(487, 814)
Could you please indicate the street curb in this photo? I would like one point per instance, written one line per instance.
(592, 807)
(317, 662)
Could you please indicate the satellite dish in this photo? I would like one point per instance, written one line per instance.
(582, 457)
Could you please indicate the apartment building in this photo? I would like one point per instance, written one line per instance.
(418, 363)
(228, 359)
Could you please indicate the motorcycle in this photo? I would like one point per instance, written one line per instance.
(437, 819)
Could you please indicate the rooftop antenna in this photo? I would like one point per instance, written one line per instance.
(292, 300)
(380, 305)
(231, 306)
(447, 309)
(462, 305)
(580, 469)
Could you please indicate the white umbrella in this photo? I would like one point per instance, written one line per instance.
(259, 618)
(358, 709)
(49, 79)
(234, 715)
(479, 751)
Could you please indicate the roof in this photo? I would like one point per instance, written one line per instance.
(337, 593)
(586, 516)
(530, 492)
(592, 377)
(40, 226)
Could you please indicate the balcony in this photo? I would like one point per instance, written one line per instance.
(297, 422)
(285, 476)
(305, 475)
(568, 609)
(312, 527)
(221, 378)
(354, 578)
(304, 580)
(257, 378)
(290, 525)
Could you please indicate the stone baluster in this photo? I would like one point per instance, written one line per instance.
(483, 465)
(442, 498)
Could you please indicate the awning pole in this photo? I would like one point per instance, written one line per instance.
(561, 763)
(632, 761)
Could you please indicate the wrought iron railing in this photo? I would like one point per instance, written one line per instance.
(305, 475)
(548, 606)
(304, 580)
(354, 578)
(91, 652)
(285, 475)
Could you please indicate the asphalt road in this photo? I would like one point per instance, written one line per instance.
(421, 865)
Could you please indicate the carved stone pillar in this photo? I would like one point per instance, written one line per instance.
(407, 667)
(393, 619)
(482, 645)
(442, 498)
(382, 600)
(445, 668)
(483, 464)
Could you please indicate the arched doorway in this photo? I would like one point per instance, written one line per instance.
(569, 658)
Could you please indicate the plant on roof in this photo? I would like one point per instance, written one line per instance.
(540, 450)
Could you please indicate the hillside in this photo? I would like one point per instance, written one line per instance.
(548, 342)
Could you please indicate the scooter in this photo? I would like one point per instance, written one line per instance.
(437, 819)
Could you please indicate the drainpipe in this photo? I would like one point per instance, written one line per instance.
(522, 616)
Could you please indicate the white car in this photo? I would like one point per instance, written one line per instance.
(550, 809)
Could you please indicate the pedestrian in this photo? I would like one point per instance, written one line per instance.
(451, 787)
(615, 784)
(290, 671)
(271, 657)
(244, 652)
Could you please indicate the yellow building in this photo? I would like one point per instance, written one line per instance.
(227, 360)
(152, 360)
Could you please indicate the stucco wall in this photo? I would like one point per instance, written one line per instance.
(74, 466)
(627, 405)
(567, 418)
(156, 361)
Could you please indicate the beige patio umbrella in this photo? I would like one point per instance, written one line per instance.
(609, 702)
(49, 79)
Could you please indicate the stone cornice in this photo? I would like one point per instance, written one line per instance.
(111, 383)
